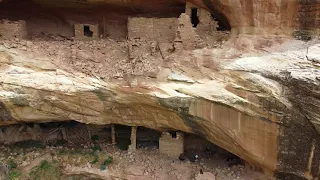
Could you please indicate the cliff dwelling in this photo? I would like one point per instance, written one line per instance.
(159, 89)
(82, 31)
(63, 138)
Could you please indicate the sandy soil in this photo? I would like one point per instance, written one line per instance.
(146, 163)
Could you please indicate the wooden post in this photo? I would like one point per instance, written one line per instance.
(89, 131)
(133, 145)
(113, 134)
(104, 27)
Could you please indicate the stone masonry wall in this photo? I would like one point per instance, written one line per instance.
(186, 36)
(206, 22)
(79, 31)
(13, 29)
(207, 27)
(171, 146)
(159, 29)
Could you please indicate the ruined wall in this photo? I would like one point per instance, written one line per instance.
(266, 18)
(171, 146)
(158, 29)
(206, 22)
(151, 38)
(13, 29)
(207, 29)
(272, 17)
(79, 31)
(114, 29)
(186, 36)
(47, 22)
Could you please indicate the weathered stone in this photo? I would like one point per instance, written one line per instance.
(13, 29)
(135, 170)
(258, 97)
(171, 145)
(180, 77)
(313, 54)
(86, 31)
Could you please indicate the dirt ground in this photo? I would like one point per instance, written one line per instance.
(88, 161)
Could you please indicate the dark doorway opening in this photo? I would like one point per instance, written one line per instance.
(223, 22)
(87, 32)
(173, 134)
(194, 17)
(147, 138)
(196, 147)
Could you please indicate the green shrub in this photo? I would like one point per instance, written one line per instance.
(95, 160)
(103, 167)
(14, 175)
(45, 171)
(44, 165)
(95, 148)
(12, 165)
(105, 163)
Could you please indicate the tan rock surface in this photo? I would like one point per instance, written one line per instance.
(256, 95)
(241, 110)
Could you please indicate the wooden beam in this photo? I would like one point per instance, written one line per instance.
(133, 145)
(113, 134)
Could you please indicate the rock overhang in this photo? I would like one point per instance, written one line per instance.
(263, 108)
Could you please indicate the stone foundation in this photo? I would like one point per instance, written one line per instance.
(13, 29)
(86, 31)
(158, 29)
(171, 146)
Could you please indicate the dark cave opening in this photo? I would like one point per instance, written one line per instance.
(197, 148)
(194, 17)
(87, 32)
(72, 133)
(223, 23)
(146, 138)
(72, 138)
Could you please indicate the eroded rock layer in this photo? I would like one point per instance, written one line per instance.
(254, 93)
(298, 18)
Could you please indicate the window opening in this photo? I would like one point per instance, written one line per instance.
(173, 134)
(87, 32)
(194, 17)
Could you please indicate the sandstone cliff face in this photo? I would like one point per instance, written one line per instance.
(256, 97)
(273, 17)
(251, 108)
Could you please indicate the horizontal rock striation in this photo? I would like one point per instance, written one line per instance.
(255, 95)
(294, 18)
(250, 108)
